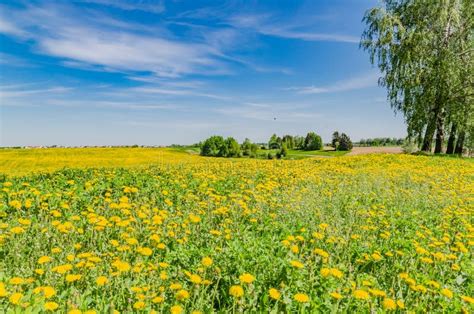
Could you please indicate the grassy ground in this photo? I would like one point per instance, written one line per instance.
(292, 153)
(355, 234)
(22, 161)
(298, 154)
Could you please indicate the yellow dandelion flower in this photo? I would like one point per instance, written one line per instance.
(44, 259)
(389, 304)
(274, 294)
(336, 295)
(3, 290)
(301, 298)
(361, 294)
(15, 298)
(297, 264)
(73, 278)
(139, 305)
(182, 295)
(101, 280)
(49, 292)
(17, 281)
(236, 291)
(447, 293)
(246, 278)
(206, 261)
(196, 279)
(175, 286)
(51, 306)
(176, 309)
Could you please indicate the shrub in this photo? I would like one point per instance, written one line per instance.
(212, 146)
(216, 146)
(345, 142)
(313, 142)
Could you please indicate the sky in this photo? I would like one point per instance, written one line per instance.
(151, 72)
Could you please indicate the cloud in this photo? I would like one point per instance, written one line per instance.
(151, 6)
(90, 43)
(6, 93)
(139, 105)
(270, 25)
(9, 28)
(176, 92)
(360, 82)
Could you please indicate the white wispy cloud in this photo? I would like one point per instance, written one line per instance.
(58, 31)
(152, 6)
(176, 92)
(7, 93)
(9, 28)
(267, 24)
(363, 81)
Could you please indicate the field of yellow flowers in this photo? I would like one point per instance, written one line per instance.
(374, 233)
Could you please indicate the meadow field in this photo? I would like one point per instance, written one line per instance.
(158, 230)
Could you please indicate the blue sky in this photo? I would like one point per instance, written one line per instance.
(106, 72)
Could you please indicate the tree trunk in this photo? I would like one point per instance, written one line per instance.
(460, 143)
(439, 135)
(451, 140)
(429, 133)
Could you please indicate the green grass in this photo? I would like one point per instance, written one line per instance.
(262, 153)
(302, 154)
(382, 231)
(314, 153)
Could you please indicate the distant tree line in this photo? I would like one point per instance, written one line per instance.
(312, 141)
(217, 146)
(382, 141)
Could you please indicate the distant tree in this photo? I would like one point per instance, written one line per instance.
(345, 142)
(212, 146)
(232, 148)
(298, 142)
(274, 142)
(246, 147)
(289, 141)
(283, 151)
(253, 150)
(335, 139)
(313, 141)
(362, 142)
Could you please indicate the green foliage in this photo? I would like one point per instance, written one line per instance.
(335, 139)
(212, 146)
(246, 147)
(313, 142)
(298, 142)
(232, 147)
(382, 141)
(288, 140)
(283, 152)
(423, 49)
(345, 143)
(274, 142)
(249, 149)
(216, 146)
